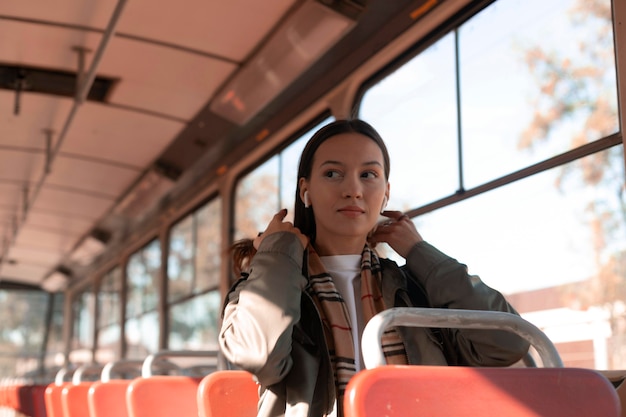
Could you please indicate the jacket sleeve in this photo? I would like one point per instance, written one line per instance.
(448, 284)
(261, 311)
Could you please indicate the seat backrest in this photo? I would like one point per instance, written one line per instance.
(32, 402)
(228, 394)
(108, 399)
(163, 396)
(74, 399)
(52, 399)
(429, 391)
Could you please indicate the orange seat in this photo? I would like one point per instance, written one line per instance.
(108, 399)
(429, 391)
(31, 400)
(74, 399)
(52, 399)
(228, 394)
(163, 396)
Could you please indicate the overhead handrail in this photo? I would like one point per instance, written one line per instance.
(128, 365)
(373, 355)
(146, 369)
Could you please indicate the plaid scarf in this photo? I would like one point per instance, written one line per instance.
(336, 318)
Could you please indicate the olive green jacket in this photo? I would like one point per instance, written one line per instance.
(272, 329)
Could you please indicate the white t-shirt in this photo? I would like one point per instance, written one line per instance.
(346, 273)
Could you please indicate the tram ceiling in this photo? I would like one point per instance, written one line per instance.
(100, 98)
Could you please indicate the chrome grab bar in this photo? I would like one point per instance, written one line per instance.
(373, 355)
(146, 368)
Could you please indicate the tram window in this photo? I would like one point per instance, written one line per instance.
(414, 111)
(142, 325)
(21, 330)
(54, 352)
(109, 321)
(537, 79)
(193, 324)
(556, 246)
(528, 91)
(83, 308)
(142, 335)
(267, 189)
(195, 252)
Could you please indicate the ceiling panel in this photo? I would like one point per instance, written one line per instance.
(163, 80)
(71, 223)
(43, 239)
(205, 25)
(37, 112)
(68, 203)
(28, 274)
(23, 167)
(92, 177)
(46, 258)
(118, 135)
(42, 45)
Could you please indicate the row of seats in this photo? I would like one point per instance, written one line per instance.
(380, 390)
(219, 394)
(390, 391)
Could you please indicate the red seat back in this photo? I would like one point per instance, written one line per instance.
(428, 391)
(228, 394)
(74, 400)
(52, 399)
(108, 399)
(163, 396)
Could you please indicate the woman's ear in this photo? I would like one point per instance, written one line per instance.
(304, 193)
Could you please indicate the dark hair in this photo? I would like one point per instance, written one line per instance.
(243, 251)
(303, 217)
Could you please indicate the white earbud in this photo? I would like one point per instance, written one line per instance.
(307, 200)
(384, 205)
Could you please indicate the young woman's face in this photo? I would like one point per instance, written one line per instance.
(346, 189)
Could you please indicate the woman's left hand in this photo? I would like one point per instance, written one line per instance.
(399, 232)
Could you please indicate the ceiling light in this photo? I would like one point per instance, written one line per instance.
(56, 281)
(90, 247)
(298, 43)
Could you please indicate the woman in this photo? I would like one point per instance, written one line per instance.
(295, 318)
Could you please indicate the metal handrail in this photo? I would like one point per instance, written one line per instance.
(146, 368)
(373, 355)
(92, 369)
(121, 365)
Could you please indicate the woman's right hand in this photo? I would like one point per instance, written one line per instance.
(278, 225)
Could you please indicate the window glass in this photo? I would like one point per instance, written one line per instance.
(270, 187)
(537, 79)
(257, 199)
(194, 323)
(142, 336)
(55, 351)
(414, 111)
(143, 276)
(109, 321)
(142, 320)
(209, 245)
(22, 329)
(195, 252)
(84, 309)
(555, 245)
(180, 262)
